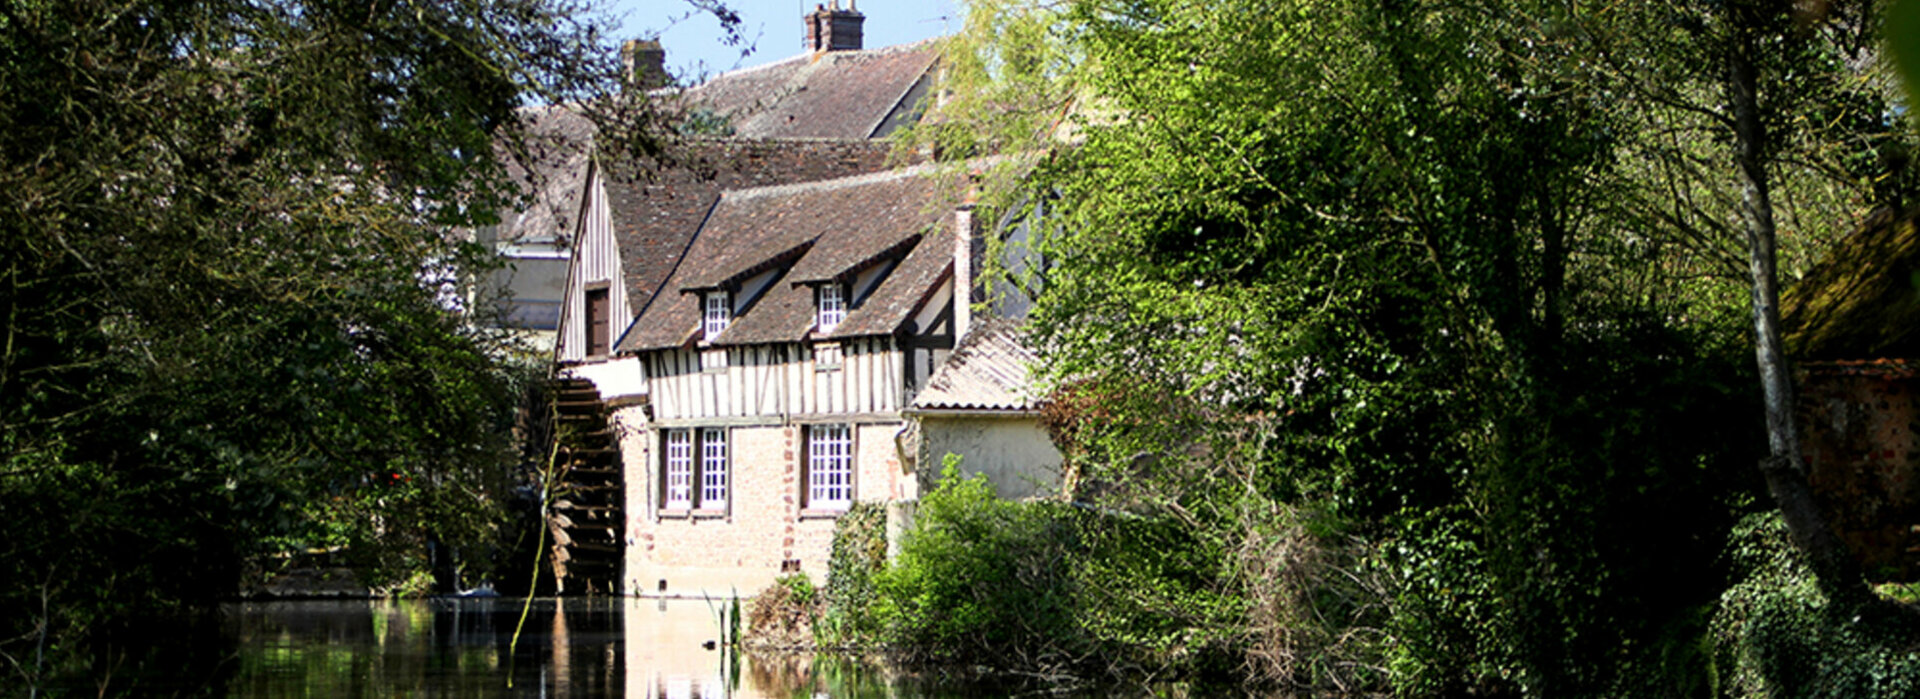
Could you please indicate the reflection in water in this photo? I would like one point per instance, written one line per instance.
(437, 647)
(590, 647)
(464, 647)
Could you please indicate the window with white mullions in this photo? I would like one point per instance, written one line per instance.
(718, 314)
(694, 470)
(829, 467)
(677, 493)
(713, 468)
(832, 308)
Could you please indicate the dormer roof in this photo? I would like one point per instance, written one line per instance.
(656, 215)
(843, 264)
(836, 222)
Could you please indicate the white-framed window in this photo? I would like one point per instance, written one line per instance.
(677, 474)
(695, 472)
(832, 308)
(829, 467)
(826, 355)
(713, 467)
(713, 359)
(718, 314)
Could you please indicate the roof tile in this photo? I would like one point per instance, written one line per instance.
(656, 216)
(559, 144)
(832, 94)
(848, 218)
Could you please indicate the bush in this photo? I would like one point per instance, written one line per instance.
(783, 615)
(1776, 634)
(980, 580)
(1316, 603)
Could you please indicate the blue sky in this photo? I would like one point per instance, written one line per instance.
(693, 39)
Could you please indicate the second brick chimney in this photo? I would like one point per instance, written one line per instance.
(830, 28)
(646, 63)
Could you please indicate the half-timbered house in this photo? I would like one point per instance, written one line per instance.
(819, 115)
(779, 356)
(789, 296)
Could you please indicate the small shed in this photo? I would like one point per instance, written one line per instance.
(1853, 328)
(980, 404)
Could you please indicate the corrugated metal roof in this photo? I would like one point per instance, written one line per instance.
(990, 370)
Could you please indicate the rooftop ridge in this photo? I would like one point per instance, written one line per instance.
(753, 193)
(810, 57)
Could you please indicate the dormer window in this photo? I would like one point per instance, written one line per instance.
(718, 314)
(832, 308)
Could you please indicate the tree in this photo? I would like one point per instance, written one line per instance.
(1419, 273)
(229, 292)
(1778, 97)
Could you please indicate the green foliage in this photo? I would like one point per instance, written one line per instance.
(1044, 587)
(859, 554)
(798, 588)
(1776, 634)
(980, 580)
(1903, 24)
(1448, 287)
(1150, 594)
(230, 292)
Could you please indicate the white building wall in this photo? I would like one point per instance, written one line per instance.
(1013, 452)
(596, 262)
(616, 378)
(776, 381)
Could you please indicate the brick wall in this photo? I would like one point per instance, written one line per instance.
(742, 551)
(1860, 431)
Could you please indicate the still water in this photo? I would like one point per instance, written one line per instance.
(586, 647)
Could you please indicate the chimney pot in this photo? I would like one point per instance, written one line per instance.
(834, 29)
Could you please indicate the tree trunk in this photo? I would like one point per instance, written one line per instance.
(1785, 469)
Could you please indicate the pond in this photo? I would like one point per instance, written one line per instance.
(592, 647)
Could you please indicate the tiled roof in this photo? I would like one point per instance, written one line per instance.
(904, 289)
(989, 370)
(831, 94)
(835, 95)
(1861, 302)
(559, 143)
(839, 264)
(846, 218)
(657, 210)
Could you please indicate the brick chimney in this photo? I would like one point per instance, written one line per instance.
(967, 247)
(830, 28)
(646, 63)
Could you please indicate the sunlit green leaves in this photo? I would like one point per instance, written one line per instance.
(226, 294)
